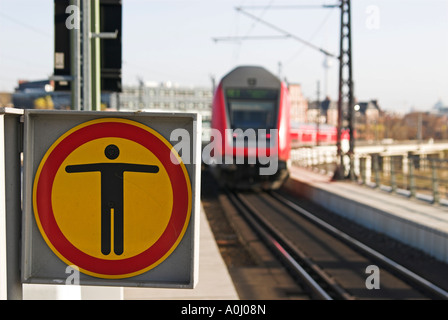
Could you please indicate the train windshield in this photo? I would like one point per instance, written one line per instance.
(252, 108)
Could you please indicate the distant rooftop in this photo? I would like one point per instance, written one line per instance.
(440, 107)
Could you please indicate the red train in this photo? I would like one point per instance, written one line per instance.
(305, 134)
(251, 125)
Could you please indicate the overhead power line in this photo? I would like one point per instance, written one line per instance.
(250, 38)
(288, 7)
(285, 33)
(25, 25)
(272, 26)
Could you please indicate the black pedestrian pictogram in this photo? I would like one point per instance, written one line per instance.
(112, 186)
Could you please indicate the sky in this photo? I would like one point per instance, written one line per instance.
(400, 47)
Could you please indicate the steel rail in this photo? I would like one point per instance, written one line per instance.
(412, 277)
(280, 246)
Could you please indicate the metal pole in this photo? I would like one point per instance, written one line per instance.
(96, 58)
(86, 56)
(345, 91)
(362, 168)
(350, 94)
(11, 134)
(339, 172)
(411, 180)
(75, 38)
(411, 176)
(376, 169)
(435, 182)
(3, 229)
(318, 113)
(393, 178)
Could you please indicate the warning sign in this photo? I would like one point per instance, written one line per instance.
(108, 198)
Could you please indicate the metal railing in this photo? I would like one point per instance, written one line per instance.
(322, 160)
(418, 176)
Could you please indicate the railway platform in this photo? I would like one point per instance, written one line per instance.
(214, 282)
(413, 222)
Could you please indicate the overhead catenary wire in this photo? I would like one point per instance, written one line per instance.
(288, 7)
(265, 8)
(216, 39)
(327, 17)
(25, 25)
(278, 29)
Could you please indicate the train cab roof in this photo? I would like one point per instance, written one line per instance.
(251, 77)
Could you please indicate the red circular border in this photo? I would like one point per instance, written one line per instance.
(179, 212)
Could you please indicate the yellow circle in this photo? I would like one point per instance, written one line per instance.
(147, 199)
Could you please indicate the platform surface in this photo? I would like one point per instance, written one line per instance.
(214, 283)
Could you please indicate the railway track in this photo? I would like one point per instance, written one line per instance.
(330, 263)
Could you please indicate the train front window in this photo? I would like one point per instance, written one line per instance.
(252, 108)
(252, 114)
